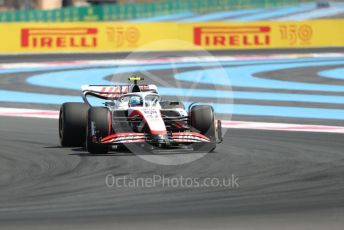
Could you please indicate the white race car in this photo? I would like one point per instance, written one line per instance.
(135, 114)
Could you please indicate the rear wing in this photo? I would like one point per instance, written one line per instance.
(113, 92)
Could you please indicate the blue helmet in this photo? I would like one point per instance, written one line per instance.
(134, 101)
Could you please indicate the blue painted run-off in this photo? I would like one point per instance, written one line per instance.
(239, 76)
(333, 73)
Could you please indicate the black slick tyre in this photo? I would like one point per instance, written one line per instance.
(72, 124)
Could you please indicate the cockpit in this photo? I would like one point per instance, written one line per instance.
(139, 100)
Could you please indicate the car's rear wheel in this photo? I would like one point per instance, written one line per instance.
(202, 119)
(98, 126)
(72, 124)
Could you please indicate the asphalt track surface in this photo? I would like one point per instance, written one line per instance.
(287, 180)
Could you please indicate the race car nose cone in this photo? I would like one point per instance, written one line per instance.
(161, 138)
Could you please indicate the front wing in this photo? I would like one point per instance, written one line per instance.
(172, 138)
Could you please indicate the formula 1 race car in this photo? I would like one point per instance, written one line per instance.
(135, 114)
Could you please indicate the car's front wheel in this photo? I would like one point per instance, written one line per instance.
(98, 126)
(203, 121)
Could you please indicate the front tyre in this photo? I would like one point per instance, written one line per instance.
(202, 119)
(72, 124)
(98, 126)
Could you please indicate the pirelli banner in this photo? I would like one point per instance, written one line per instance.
(114, 36)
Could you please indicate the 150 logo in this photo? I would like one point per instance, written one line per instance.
(59, 37)
(296, 34)
(122, 36)
(232, 36)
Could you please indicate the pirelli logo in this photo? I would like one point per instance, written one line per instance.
(232, 36)
(59, 37)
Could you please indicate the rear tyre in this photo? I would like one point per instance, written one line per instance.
(203, 120)
(72, 124)
(98, 117)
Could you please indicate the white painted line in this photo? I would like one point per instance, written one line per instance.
(282, 127)
(15, 112)
(50, 114)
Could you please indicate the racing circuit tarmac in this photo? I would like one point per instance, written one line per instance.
(287, 180)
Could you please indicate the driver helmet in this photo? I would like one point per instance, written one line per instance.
(134, 101)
